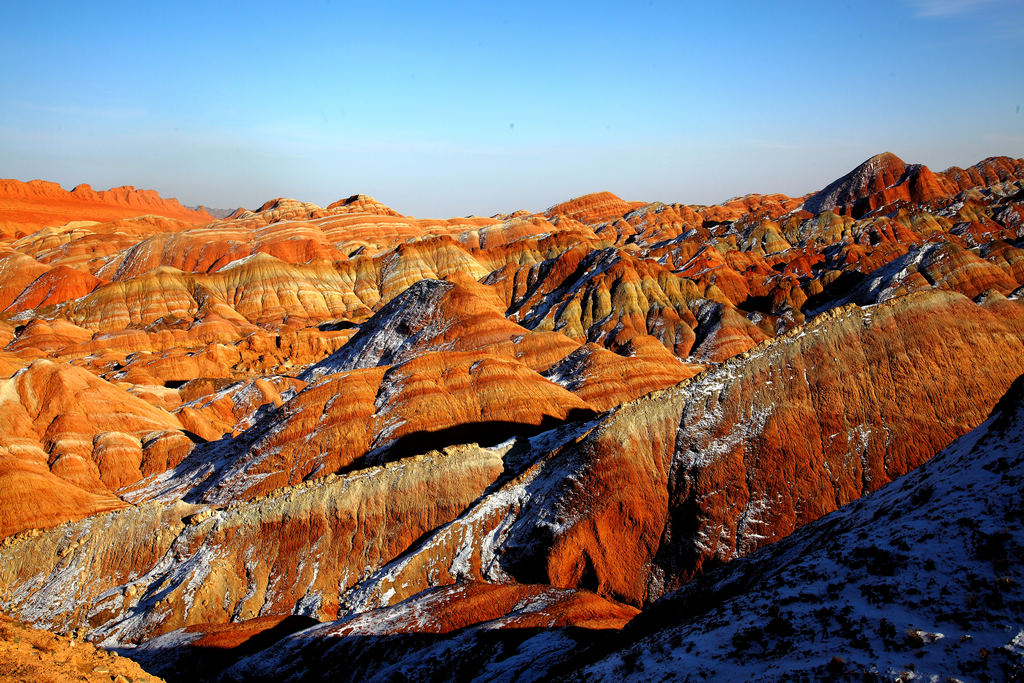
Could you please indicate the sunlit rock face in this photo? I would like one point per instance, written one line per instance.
(27, 207)
(483, 439)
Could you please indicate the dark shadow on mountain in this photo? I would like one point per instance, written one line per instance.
(337, 325)
(206, 662)
(756, 304)
(487, 433)
(837, 292)
(459, 655)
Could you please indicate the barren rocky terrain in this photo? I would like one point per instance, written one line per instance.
(777, 436)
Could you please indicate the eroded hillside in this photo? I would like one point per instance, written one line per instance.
(229, 430)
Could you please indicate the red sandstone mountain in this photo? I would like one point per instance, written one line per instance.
(885, 180)
(213, 434)
(26, 207)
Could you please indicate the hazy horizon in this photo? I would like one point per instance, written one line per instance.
(479, 110)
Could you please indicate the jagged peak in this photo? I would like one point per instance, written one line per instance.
(874, 174)
(883, 164)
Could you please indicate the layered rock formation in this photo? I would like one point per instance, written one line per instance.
(885, 180)
(475, 435)
(915, 580)
(69, 439)
(26, 207)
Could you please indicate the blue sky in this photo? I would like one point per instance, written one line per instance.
(487, 107)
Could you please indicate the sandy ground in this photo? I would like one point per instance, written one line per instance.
(28, 654)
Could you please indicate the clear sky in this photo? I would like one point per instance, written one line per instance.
(482, 107)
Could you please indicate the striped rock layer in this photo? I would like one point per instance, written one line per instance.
(222, 432)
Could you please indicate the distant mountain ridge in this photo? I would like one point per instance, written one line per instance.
(28, 206)
(216, 213)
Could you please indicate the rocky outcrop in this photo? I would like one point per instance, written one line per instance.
(55, 286)
(641, 501)
(740, 472)
(373, 415)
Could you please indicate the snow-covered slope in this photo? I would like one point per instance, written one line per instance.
(393, 330)
(922, 579)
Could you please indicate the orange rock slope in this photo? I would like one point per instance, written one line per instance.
(26, 207)
(207, 427)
